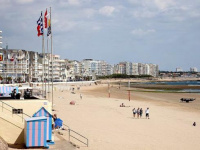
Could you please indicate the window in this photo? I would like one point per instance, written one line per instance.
(17, 111)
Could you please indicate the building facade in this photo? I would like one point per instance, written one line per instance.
(179, 69)
(15, 64)
(21, 65)
(193, 69)
(1, 43)
(130, 68)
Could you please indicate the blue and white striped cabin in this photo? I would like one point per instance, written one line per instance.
(44, 112)
(6, 90)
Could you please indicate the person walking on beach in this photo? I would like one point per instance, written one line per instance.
(134, 112)
(141, 112)
(147, 113)
(80, 96)
(138, 112)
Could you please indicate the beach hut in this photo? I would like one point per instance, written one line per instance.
(6, 90)
(44, 112)
(35, 132)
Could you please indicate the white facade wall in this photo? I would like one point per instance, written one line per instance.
(15, 64)
(135, 69)
(193, 69)
(179, 69)
(1, 40)
(129, 68)
(147, 69)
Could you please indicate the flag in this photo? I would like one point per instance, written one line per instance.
(40, 25)
(45, 19)
(49, 28)
(1, 57)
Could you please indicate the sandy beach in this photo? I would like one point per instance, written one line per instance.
(108, 126)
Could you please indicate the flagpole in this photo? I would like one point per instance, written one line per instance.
(51, 60)
(42, 62)
(45, 91)
(48, 63)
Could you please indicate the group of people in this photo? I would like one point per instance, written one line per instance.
(139, 113)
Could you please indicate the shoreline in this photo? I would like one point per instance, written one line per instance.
(150, 96)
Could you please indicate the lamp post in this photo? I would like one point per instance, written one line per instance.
(24, 76)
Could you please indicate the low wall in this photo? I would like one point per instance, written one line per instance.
(3, 144)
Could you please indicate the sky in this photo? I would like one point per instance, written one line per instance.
(163, 32)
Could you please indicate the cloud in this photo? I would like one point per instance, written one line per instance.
(164, 4)
(96, 28)
(89, 12)
(135, 2)
(74, 2)
(141, 32)
(143, 14)
(107, 10)
(63, 26)
(67, 3)
(24, 1)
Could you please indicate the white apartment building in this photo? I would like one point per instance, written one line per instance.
(89, 67)
(77, 67)
(110, 69)
(104, 68)
(129, 68)
(135, 69)
(153, 70)
(28, 66)
(15, 64)
(1, 40)
(95, 68)
(179, 69)
(35, 73)
(73, 70)
(193, 69)
(141, 69)
(57, 68)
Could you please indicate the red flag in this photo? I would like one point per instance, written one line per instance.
(45, 19)
(1, 57)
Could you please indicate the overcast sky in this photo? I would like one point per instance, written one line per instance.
(163, 32)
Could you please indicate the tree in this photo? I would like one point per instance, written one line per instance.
(19, 79)
(1, 78)
(9, 79)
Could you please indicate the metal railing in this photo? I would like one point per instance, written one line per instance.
(85, 141)
(3, 104)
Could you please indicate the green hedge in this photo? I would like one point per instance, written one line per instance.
(123, 76)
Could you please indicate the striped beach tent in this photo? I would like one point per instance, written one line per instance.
(6, 90)
(44, 112)
(35, 132)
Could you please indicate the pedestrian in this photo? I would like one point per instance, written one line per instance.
(53, 121)
(134, 112)
(147, 113)
(141, 112)
(138, 112)
(80, 96)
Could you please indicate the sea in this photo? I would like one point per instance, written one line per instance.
(190, 83)
(187, 83)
